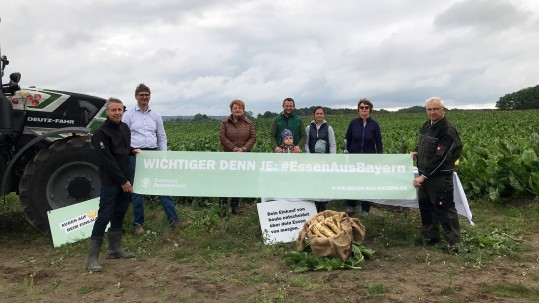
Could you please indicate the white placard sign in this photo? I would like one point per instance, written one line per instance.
(281, 220)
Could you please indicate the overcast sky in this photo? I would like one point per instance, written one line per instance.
(198, 55)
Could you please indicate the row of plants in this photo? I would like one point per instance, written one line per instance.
(499, 159)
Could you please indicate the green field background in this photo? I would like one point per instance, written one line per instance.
(499, 158)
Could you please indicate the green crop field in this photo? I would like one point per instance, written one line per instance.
(499, 159)
(223, 258)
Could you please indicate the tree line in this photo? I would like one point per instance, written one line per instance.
(527, 98)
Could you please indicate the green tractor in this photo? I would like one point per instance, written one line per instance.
(45, 151)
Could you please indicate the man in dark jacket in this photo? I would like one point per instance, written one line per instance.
(112, 144)
(438, 148)
(287, 120)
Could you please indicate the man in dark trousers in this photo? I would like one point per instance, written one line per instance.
(112, 144)
(438, 148)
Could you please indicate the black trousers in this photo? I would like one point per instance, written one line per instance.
(365, 205)
(437, 207)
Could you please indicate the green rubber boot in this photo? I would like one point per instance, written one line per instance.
(93, 254)
(115, 250)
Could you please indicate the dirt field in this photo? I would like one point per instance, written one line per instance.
(40, 273)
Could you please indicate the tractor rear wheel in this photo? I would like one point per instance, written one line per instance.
(66, 173)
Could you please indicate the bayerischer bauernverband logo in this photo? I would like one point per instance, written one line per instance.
(146, 182)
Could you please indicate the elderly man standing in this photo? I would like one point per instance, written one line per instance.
(148, 133)
(287, 120)
(438, 148)
(111, 142)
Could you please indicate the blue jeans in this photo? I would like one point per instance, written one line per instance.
(138, 203)
(113, 204)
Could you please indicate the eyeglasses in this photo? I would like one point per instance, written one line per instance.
(434, 109)
(364, 107)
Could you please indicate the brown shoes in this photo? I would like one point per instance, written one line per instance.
(138, 230)
(180, 224)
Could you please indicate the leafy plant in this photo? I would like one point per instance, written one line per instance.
(28, 285)
(85, 289)
(303, 261)
(516, 290)
(376, 289)
(494, 242)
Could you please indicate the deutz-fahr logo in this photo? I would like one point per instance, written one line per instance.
(50, 120)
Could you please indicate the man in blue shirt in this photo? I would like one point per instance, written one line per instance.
(148, 133)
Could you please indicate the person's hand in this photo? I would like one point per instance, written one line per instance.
(413, 154)
(297, 149)
(278, 149)
(418, 181)
(136, 151)
(127, 188)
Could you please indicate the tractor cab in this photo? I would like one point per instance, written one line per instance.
(45, 152)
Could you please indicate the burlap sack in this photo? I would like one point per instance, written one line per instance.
(340, 245)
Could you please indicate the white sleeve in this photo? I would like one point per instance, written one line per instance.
(307, 129)
(332, 143)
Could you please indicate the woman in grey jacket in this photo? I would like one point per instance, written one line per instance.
(320, 139)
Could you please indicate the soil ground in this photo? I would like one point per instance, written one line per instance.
(31, 272)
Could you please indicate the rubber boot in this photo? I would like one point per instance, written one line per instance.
(115, 250)
(93, 254)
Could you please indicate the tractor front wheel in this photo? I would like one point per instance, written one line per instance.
(66, 173)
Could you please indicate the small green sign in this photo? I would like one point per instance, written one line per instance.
(74, 222)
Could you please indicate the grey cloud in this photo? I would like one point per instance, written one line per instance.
(71, 39)
(199, 55)
(482, 15)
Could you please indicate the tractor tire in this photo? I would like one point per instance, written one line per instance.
(63, 174)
